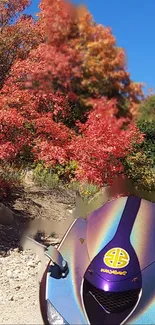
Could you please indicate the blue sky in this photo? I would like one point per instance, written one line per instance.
(133, 24)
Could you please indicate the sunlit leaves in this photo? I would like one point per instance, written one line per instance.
(102, 144)
(63, 81)
(18, 35)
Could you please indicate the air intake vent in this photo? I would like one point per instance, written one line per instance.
(114, 302)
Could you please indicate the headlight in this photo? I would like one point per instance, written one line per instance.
(54, 318)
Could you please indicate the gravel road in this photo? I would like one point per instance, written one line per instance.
(19, 302)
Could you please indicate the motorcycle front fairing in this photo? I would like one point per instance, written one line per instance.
(78, 297)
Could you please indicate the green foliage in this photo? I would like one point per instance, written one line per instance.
(56, 175)
(148, 146)
(43, 177)
(60, 176)
(141, 170)
(140, 164)
(86, 190)
(11, 173)
(147, 109)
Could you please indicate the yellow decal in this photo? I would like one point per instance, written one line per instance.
(116, 258)
(115, 272)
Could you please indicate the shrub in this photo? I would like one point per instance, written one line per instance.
(140, 164)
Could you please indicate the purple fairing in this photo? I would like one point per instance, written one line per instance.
(128, 277)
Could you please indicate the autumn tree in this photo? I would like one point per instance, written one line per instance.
(27, 119)
(63, 93)
(19, 33)
(103, 65)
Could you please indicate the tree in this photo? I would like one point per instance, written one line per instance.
(147, 109)
(19, 33)
(140, 163)
(28, 125)
(100, 69)
(56, 103)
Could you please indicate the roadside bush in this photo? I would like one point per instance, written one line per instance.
(140, 164)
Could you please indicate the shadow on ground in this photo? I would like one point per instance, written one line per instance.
(40, 207)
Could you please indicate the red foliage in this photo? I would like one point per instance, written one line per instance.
(13, 135)
(9, 9)
(51, 81)
(16, 39)
(57, 18)
(51, 140)
(27, 120)
(102, 144)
